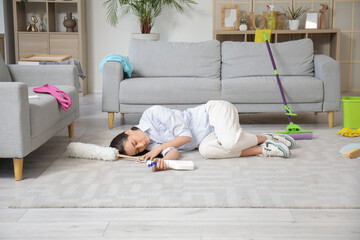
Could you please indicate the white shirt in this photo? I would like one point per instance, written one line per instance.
(162, 124)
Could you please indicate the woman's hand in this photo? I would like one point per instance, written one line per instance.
(161, 165)
(153, 153)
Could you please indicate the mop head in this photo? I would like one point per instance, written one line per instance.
(91, 151)
(294, 131)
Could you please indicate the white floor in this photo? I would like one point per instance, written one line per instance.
(166, 223)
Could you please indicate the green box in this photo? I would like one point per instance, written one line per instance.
(351, 112)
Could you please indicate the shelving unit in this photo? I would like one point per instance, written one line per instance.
(340, 42)
(55, 40)
(286, 35)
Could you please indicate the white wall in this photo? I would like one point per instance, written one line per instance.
(194, 25)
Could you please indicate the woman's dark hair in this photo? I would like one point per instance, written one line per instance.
(119, 141)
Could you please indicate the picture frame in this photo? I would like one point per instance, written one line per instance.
(230, 17)
(312, 20)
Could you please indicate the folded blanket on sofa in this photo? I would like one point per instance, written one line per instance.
(128, 68)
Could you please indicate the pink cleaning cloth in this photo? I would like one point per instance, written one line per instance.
(61, 96)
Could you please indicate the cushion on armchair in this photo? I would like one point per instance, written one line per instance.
(175, 59)
(46, 112)
(243, 59)
(4, 72)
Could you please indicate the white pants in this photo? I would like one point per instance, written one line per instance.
(228, 139)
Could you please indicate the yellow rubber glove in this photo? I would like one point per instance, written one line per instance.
(348, 132)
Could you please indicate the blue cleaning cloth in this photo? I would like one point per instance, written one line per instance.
(128, 68)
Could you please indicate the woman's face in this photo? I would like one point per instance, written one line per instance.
(136, 143)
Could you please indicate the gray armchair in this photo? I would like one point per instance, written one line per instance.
(27, 123)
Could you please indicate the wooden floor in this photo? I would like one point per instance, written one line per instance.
(166, 223)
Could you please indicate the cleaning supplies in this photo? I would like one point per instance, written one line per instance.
(259, 35)
(92, 151)
(271, 24)
(350, 151)
(174, 164)
(61, 96)
(348, 132)
(292, 129)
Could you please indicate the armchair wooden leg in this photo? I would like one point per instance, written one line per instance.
(18, 168)
(331, 119)
(71, 129)
(110, 119)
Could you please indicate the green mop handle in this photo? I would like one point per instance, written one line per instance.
(287, 108)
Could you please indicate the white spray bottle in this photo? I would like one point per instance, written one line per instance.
(174, 164)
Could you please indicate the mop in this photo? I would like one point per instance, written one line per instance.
(92, 151)
(292, 129)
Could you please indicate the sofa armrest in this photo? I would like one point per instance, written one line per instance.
(45, 74)
(112, 76)
(328, 70)
(14, 119)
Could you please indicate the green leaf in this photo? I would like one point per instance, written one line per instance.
(145, 10)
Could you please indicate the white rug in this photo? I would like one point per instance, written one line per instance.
(316, 176)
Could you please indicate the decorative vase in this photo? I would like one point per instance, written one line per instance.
(243, 27)
(146, 36)
(69, 22)
(42, 27)
(294, 24)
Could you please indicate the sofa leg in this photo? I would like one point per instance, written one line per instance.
(110, 119)
(18, 168)
(331, 119)
(71, 129)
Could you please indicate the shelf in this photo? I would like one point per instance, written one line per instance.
(25, 11)
(54, 13)
(57, 12)
(57, 32)
(300, 31)
(333, 36)
(55, 40)
(52, 33)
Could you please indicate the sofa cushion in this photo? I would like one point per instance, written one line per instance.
(297, 89)
(175, 90)
(241, 59)
(4, 72)
(45, 111)
(166, 59)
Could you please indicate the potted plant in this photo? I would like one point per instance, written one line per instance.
(146, 10)
(293, 13)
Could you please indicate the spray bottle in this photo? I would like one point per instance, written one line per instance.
(174, 164)
(271, 22)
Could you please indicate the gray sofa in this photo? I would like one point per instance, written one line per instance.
(182, 75)
(27, 123)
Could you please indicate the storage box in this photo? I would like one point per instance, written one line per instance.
(351, 112)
